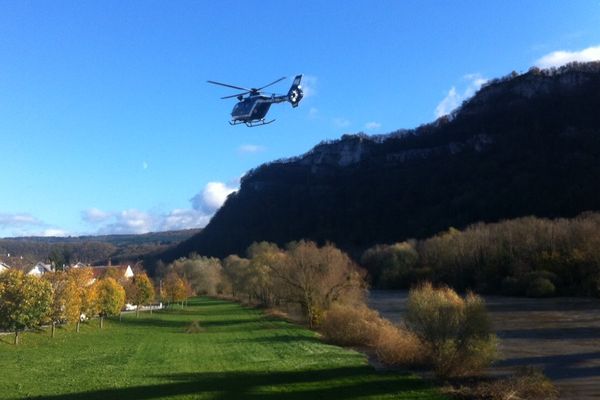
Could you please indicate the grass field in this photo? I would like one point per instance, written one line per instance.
(239, 354)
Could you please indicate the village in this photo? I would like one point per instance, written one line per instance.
(41, 268)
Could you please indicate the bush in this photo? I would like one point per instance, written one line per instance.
(361, 326)
(194, 327)
(351, 326)
(397, 346)
(527, 383)
(540, 287)
(456, 331)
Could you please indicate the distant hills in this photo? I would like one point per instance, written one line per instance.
(525, 144)
(26, 251)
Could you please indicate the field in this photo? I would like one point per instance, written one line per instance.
(237, 353)
(561, 336)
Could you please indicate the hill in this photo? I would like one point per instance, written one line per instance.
(525, 144)
(26, 251)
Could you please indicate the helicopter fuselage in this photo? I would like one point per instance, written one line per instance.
(254, 108)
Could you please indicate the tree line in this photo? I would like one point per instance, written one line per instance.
(73, 296)
(302, 276)
(525, 256)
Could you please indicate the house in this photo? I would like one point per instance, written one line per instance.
(124, 271)
(78, 265)
(4, 267)
(40, 269)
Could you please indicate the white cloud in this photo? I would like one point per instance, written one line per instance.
(18, 220)
(203, 207)
(212, 197)
(93, 215)
(251, 148)
(54, 232)
(340, 122)
(372, 125)
(454, 98)
(144, 165)
(558, 58)
(184, 219)
(449, 103)
(309, 86)
(129, 221)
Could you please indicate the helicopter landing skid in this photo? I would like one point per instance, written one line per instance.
(252, 124)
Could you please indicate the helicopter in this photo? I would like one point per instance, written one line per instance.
(252, 109)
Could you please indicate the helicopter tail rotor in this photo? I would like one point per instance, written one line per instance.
(295, 93)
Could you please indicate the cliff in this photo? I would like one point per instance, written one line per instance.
(525, 144)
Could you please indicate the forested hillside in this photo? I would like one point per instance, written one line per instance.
(26, 251)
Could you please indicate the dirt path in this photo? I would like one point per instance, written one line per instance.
(559, 335)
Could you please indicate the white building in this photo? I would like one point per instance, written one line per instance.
(4, 267)
(40, 269)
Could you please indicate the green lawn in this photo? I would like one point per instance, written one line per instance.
(240, 354)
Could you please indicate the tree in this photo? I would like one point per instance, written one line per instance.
(66, 301)
(174, 288)
(83, 279)
(24, 301)
(204, 274)
(457, 332)
(264, 256)
(110, 298)
(140, 291)
(315, 278)
(235, 271)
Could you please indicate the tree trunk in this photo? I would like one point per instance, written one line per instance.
(53, 329)
(137, 311)
(101, 322)
(150, 309)
(16, 338)
(78, 324)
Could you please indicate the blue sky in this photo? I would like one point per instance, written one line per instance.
(107, 124)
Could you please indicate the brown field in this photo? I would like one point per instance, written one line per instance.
(559, 335)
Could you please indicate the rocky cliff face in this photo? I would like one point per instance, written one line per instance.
(524, 144)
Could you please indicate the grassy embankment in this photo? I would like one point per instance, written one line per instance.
(239, 354)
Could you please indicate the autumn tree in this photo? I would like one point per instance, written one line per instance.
(236, 271)
(110, 298)
(139, 291)
(66, 301)
(174, 288)
(264, 258)
(83, 280)
(315, 278)
(204, 274)
(24, 301)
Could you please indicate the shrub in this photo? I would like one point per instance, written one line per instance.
(351, 326)
(194, 327)
(361, 326)
(527, 383)
(455, 331)
(540, 287)
(397, 346)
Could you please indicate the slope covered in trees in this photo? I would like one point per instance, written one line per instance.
(526, 144)
(24, 252)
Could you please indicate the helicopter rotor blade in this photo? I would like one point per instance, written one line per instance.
(272, 83)
(234, 95)
(229, 86)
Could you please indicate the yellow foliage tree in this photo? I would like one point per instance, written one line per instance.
(110, 298)
(66, 300)
(24, 301)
